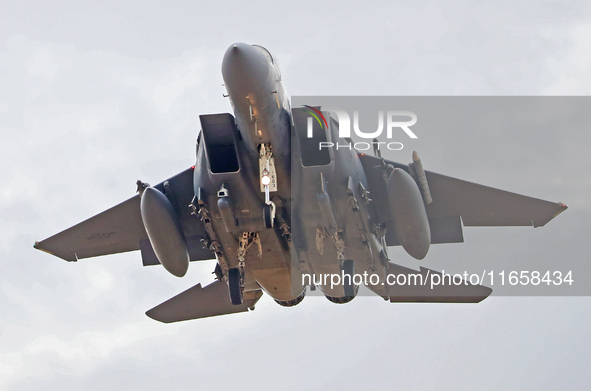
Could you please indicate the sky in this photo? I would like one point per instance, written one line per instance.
(94, 96)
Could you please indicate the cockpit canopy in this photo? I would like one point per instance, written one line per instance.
(269, 56)
(265, 52)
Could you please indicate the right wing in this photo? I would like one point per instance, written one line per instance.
(480, 205)
(477, 205)
(121, 229)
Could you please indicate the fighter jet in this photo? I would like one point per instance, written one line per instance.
(279, 215)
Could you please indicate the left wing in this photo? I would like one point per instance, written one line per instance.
(115, 230)
(121, 229)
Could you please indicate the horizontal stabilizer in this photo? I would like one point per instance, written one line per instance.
(198, 302)
(429, 286)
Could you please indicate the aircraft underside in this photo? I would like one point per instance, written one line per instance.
(280, 215)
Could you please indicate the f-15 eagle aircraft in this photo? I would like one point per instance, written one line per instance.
(272, 209)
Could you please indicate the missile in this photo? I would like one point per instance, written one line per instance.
(164, 230)
(326, 211)
(410, 217)
(326, 206)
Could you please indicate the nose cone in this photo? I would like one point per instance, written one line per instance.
(245, 68)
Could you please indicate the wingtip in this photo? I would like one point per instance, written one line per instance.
(150, 314)
(486, 292)
(156, 315)
(37, 246)
(563, 208)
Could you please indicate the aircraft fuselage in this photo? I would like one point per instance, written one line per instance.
(263, 127)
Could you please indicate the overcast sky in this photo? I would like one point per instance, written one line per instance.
(95, 96)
